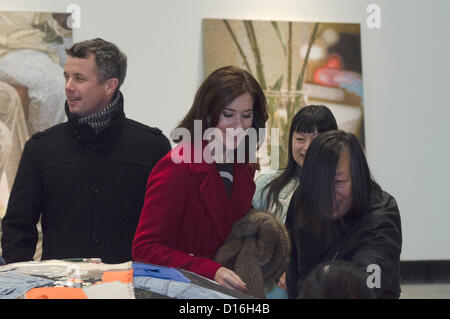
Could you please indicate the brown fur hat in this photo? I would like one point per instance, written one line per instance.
(257, 249)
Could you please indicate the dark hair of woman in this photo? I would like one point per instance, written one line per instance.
(310, 119)
(336, 280)
(219, 89)
(316, 190)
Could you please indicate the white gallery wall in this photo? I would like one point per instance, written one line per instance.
(406, 67)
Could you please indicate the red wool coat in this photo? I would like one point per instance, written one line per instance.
(187, 214)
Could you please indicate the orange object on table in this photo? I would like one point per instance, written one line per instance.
(125, 276)
(56, 293)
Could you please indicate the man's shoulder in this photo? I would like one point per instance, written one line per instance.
(50, 131)
(143, 127)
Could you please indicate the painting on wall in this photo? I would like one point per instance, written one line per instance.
(32, 97)
(296, 64)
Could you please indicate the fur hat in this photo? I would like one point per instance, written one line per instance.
(257, 249)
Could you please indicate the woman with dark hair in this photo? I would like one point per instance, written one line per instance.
(340, 213)
(336, 279)
(192, 202)
(274, 189)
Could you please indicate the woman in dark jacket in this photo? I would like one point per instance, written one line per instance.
(274, 189)
(340, 213)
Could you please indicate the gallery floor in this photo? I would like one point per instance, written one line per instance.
(426, 291)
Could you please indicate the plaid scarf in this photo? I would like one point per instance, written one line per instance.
(100, 120)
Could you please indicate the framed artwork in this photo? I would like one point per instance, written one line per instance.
(32, 96)
(296, 64)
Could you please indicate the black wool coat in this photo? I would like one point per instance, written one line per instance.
(88, 189)
(372, 239)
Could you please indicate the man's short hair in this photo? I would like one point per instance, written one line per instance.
(110, 61)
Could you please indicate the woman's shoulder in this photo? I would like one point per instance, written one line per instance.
(264, 178)
(383, 213)
(184, 155)
(382, 203)
(172, 164)
(384, 208)
(267, 176)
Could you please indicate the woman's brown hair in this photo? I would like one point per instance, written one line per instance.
(219, 89)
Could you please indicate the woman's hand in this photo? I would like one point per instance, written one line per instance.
(228, 278)
(281, 282)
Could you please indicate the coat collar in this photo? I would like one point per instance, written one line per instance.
(86, 134)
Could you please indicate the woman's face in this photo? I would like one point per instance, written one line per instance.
(342, 187)
(300, 144)
(238, 117)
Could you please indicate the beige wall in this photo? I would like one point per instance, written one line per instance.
(405, 75)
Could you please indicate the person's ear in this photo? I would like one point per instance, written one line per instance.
(111, 85)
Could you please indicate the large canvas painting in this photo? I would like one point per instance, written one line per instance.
(296, 64)
(32, 96)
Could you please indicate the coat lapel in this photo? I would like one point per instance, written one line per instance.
(217, 203)
(243, 190)
(223, 211)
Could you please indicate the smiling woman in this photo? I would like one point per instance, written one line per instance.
(342, 187)
(191, 206)
(340, 213)
(274, 189)
(235, 119)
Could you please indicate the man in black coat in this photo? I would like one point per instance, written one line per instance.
(85, 178)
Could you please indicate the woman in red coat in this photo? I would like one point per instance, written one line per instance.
(199, 190)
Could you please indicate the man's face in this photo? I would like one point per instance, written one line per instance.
(342, 187)
(84, 93)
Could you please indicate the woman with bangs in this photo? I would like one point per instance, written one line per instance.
(340, 213)
(274, 189)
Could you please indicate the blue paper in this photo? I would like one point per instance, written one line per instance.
(149, 270)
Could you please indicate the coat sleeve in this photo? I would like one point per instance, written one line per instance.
(24, 208)
(292, 273)
(160, 221)
(380, 245)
